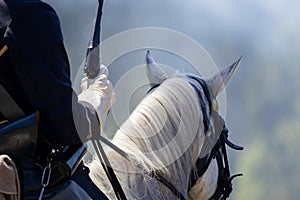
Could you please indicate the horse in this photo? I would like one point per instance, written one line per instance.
(164, 137)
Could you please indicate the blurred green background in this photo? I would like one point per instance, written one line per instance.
(263, 99)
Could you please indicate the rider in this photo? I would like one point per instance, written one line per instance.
(35, 71)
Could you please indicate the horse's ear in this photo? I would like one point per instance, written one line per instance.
(155, 74)
(220, 80)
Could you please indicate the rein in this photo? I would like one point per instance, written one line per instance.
(154, 174)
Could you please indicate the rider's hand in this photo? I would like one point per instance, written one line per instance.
(99, 81)
(99, 93)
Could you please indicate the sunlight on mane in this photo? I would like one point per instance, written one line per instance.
(164, 127)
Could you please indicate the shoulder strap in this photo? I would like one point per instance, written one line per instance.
(2, 51)
(8, 107)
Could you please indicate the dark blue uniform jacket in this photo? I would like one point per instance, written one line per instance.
(36, 72)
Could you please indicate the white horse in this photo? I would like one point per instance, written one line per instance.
(165, 134)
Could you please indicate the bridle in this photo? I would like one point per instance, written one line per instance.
(219, 138)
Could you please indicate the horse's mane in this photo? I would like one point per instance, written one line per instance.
(163, 128)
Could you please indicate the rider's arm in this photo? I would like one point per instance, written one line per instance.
(40, 61)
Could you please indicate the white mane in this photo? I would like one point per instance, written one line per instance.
(164, 127)
(164, 132)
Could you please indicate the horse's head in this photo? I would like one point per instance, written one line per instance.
(206, 90)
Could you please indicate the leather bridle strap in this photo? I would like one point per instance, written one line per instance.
(206, 117)
(200, 168)
(171, 187)
(224, 187)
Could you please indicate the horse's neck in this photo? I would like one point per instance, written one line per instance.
(176, 173)
(136, 183)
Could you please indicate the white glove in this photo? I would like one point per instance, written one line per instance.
(99, 93)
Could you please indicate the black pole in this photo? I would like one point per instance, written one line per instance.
(92, 62)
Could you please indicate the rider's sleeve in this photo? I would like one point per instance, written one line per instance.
(40, 61)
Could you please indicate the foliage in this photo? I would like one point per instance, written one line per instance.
(271, 163)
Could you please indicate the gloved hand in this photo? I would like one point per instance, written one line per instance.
(99, 93)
